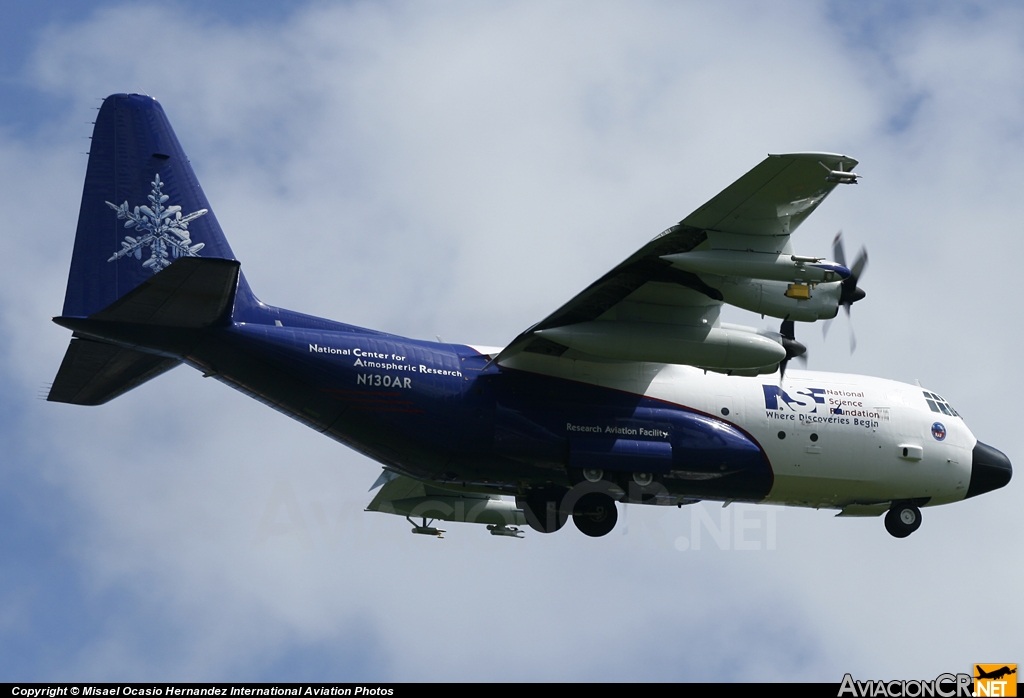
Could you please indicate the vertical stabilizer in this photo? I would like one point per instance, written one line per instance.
(142, 208)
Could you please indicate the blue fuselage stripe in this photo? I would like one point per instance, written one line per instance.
(440, 411)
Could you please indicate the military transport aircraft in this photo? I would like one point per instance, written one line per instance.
(634, 391)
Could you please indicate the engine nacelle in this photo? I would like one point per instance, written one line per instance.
(760, 265)
(802, 302)
(719, 348)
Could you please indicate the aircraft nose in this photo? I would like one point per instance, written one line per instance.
(990, 470)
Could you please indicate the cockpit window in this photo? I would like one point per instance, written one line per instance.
(937, 404)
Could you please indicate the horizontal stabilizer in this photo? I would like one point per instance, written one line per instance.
(192, 292)
(93, 373)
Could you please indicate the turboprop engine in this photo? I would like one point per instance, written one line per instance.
(793, 301)
(760, 265)
(782, 285)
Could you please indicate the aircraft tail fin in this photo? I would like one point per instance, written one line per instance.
(149, 257)
(142, 208)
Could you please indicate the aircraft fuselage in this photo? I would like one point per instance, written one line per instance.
(445, 412)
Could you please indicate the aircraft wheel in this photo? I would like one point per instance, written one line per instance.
(903, 519)
(578, 476)
(595, 514)
(641, 488)
(543, 509)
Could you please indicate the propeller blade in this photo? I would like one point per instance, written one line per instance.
(858, 265)
(794, 349)
(838, 255)
(850, 293)
(788, 329)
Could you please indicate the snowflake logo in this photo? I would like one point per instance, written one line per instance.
(164, 230)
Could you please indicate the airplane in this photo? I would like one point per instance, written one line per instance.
(632, 392)
(995, 674)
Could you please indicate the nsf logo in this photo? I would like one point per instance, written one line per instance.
(938, 431)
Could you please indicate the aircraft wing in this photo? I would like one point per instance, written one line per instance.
(773, 198)
(646, 305)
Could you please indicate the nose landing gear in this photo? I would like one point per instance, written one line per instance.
(903, 519)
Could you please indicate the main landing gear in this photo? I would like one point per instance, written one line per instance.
(593, 510)
(542, 508)
(903, 519)
(595, 514)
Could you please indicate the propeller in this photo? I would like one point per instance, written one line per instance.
(850, 292)
(794, 349)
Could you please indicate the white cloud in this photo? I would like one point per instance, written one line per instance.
(463, 170)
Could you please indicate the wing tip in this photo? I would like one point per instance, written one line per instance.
(814, 155)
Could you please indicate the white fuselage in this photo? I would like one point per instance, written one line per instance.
(833, 440)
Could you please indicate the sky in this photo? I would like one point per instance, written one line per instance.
(460, 170)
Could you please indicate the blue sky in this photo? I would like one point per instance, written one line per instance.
(461, 170)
